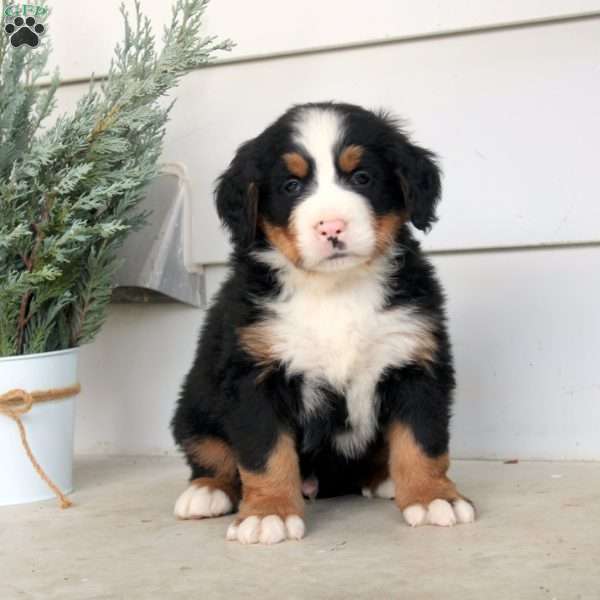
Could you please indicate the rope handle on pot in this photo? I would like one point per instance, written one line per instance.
(16, 403)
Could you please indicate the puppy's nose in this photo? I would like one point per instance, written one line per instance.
(331, 228)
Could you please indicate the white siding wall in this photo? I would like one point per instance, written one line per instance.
(525, 326)
(506, 93)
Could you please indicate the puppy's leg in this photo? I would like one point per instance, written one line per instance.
(214, 489)
(423, 492)
(377, 482)
(272, 506)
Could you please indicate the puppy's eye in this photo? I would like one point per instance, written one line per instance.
(360, 179)
(292, 186)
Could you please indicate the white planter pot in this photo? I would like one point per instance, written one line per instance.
(49, 427)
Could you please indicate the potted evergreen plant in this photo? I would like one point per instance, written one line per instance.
(69, 195)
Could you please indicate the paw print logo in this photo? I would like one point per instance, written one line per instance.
(24, 31)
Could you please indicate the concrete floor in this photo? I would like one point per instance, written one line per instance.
(538, 536)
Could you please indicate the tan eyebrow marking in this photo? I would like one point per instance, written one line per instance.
(296, 164)
(350, 157)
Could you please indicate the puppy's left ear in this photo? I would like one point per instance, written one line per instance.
(420, 182)
(237, 197)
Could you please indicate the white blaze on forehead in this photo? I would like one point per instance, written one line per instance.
(319, 132)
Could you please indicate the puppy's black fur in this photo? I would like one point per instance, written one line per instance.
(228, 396)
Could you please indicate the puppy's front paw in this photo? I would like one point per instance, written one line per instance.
(200, 502)
(270, 529)
(440, 512)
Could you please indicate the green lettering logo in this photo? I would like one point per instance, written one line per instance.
(34, 10)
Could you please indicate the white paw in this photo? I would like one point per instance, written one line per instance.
(268, 530)
(415, 515)
(439, 512)
(200, 502)
(385, 489)
(464, 511)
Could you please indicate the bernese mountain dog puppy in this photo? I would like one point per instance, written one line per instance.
(324, 365)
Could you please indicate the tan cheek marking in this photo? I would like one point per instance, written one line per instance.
(218, 456)
(284, 239)
(386, 228)
(418, 478)
(276, 490)
(296, 164)
(350, 158)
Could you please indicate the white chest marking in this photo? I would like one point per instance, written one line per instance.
(336, 331)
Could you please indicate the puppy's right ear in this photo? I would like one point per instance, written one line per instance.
(237, 197)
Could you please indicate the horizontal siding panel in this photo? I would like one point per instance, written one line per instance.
(512, 114)
(525, 327)
(84, 33)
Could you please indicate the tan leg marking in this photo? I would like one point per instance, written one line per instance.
(218, 456)
(422, 489)
(418, 478)
(277, 490)
(214, 495)
(272, 506)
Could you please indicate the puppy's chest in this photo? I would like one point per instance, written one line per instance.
(341, 336)
(340, 340)
(327, 337)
